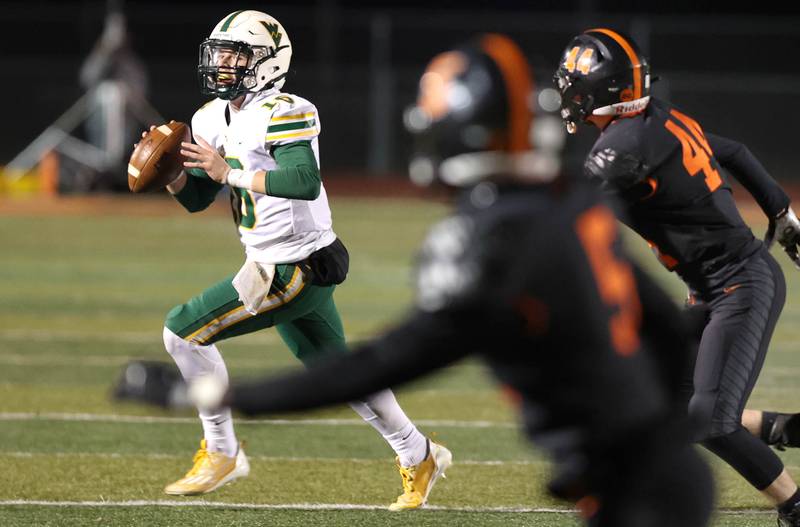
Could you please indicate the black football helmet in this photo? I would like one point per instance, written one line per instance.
(602, 72)
(472, 118)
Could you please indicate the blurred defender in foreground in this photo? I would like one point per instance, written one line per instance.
(665, 171)
(527, 273)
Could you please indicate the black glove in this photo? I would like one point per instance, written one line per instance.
(785, 228)
(151, 382)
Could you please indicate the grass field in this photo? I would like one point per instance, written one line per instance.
(84, 292)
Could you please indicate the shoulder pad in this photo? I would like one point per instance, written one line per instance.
(447, 268)
(616, 168)
(292, 118)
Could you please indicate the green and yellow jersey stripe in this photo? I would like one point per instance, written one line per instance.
(285, 127)
(309, 132)
(295, 117)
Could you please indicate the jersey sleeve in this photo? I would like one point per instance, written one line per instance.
(292, 119)
(419, 345)
(743, 165)
(297, 175)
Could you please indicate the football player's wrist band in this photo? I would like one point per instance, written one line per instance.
(241, 178)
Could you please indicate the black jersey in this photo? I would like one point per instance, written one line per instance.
(532, 279)
(667, 172)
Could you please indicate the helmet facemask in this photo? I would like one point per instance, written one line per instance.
(576, 106)
(228, 69)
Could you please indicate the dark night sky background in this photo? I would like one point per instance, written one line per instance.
(731, 65)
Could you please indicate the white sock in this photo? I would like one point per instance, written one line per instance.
(384, 414)
(193, 361)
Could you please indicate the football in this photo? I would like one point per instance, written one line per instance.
(156, 160)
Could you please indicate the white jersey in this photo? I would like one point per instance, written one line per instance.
(273, 230)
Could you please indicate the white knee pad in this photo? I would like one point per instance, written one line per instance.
(194, 360)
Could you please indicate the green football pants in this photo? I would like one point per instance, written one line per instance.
(304, 315)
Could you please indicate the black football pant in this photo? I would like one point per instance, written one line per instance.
(744, 308)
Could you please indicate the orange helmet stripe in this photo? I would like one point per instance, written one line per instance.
(635, 61)
(519, 85)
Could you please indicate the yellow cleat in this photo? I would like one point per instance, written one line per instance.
(419, 479)
(211, 470)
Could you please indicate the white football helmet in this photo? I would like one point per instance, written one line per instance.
(247, 51)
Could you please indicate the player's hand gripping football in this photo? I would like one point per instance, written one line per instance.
(206, 157)
(785, 229)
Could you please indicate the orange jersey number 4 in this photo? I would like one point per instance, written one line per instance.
(696, 151)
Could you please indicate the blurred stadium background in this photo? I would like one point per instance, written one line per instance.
(88, 271)
(358, 61)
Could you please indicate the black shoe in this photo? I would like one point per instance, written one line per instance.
(790, 518)
(785, 431)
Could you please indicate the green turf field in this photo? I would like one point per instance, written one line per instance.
(82, 294)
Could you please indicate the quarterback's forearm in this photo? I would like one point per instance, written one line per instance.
(193, 190)
(743, 165)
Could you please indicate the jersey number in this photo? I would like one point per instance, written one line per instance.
(242, 202)
(583, 64)
(284, 98)
(696, 151)
(597, 231)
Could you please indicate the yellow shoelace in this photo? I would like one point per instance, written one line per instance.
(200, 455)
(408, 478)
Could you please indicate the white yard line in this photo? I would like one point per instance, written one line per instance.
(130, 337)
(50, 360)
(272, 459)
(284, 459)
(47, 335)
(258, 506)
(144, 419)
(309, 506)
(17, 359)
